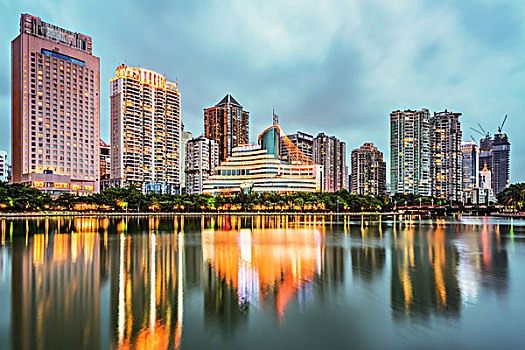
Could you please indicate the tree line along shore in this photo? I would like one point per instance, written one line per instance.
(17, 198)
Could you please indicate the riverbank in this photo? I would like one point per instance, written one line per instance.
(193, 214)
(510, 215)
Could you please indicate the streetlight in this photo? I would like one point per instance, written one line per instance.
(395, 204)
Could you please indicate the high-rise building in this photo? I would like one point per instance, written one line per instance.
(330, 152)
(185, 137)
(368, 171)
(446, 168)
(4, 168)
(202, 157)
(227, 123)
(252, 168)
(54, 109)
(410, 152)
(304, 143)
(501, 162)
(105, 161)
(470, 154)
(486, 155)
(145, 130)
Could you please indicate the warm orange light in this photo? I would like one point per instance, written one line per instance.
(39, 184)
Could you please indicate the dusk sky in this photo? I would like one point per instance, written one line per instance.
(338, 67)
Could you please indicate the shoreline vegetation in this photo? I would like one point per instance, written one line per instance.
(20, 200)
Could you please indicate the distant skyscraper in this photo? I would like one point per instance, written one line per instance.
(227, 124)
(330, 152)
(486, 155)
(446, 168)
(105, 161)
(501, 162)
(145, 130)
(470, 154)
(270, 140)
(55, 109)
(303, 141)
(410, 152)
(186, 136)
(202, 157)
(4, 170)
(368, 171)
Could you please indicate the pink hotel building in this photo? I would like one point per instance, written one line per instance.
(55, 109)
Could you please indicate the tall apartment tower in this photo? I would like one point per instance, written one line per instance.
(4, 168)
(330, 152)
(202, 156)
(54, 109)
(303, 141)
(410, 152)
(368, 171)
(145, 130)
(470, 155)
(227, 124)
(501, 162)
(185, 137)
(446, 167)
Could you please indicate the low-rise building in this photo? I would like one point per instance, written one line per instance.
(252, 169)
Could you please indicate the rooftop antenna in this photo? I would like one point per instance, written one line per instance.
(501, 126)
(275, 118)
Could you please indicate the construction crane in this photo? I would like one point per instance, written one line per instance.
(472, 137)
(479, 132)
(501, 126)
(296, 156)
(486, 133)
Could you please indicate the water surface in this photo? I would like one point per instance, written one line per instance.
(261, 282)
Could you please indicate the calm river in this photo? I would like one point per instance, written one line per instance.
(296, 282)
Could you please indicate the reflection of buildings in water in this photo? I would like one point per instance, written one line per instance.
(494, 261)
(261, 265)
(55, 287)
(367, 261)
(147, 289)
(483, 259)
(370, 258)
(424, 274)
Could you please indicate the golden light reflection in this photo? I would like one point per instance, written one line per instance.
(260, 263)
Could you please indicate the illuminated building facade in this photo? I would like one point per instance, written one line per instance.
(304, 143)
(227, 124)
(105, 160)
(145, 130)
(54, 108)
(446, 167)
(252, 167)
(202, 157)
(330, 152)
(470, 155)
(368, 171)
(410, 152)
(185, 137)
(3, 166)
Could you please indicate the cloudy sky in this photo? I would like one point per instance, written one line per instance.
(324, 65)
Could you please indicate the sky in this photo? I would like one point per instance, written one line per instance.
(338, 67)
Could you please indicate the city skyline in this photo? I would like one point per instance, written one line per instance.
(288, 75)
